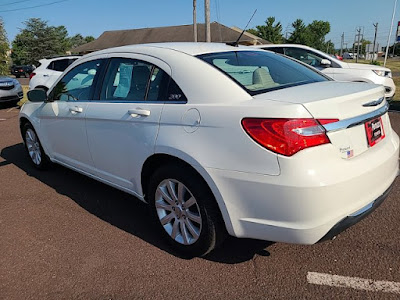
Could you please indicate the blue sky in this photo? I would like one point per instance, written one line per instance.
(92, 17)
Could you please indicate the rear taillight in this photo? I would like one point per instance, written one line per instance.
(287, 136)
(32, 74)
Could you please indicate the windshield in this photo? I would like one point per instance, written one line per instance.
(259, 72)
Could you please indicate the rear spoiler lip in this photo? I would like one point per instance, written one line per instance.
(351, 122)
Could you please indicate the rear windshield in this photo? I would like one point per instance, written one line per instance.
(259, 72)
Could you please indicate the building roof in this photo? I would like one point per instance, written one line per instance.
(182, 33)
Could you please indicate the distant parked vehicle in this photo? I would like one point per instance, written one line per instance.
(336, 69)
(24, 70)
(49, 70)
(10, 90)
(348, 55)
(337, 56)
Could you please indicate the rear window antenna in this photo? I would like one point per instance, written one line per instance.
(236, 43)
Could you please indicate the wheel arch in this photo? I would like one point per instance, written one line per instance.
(25, 120)
(159, 159)
(22, 122)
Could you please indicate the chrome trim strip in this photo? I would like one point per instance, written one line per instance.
(374, 103)
(351, 122)
(362, 210)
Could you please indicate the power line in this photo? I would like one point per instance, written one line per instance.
(15, 2)
(41, 5)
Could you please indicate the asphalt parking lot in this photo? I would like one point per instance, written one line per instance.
(65, 236)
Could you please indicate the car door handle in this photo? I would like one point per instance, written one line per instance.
(76, 109)
(139, 112)
(46, 75)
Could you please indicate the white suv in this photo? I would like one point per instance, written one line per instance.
(49, 70)
(335, 68)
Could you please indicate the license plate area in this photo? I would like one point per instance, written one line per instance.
(374, 130)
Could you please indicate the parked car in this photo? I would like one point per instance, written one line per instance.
(24, 70)
(219, 139)
(337, 56)
(10, 90)
(49, 70)
(335, 68)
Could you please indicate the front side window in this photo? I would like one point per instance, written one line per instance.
(306, 56)
(259, 72)
(77, 83)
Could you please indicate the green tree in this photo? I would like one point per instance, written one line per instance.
(38, 40)
(299, 34)
(270, 31)
(78, 40)
(89, 39)
(4, 48)
(316, 32)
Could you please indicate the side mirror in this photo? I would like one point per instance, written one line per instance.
(37, 95)
(326, 63)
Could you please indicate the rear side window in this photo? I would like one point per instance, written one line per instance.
(61, 64)
(260, 71)
(134, 80)
(275, 49)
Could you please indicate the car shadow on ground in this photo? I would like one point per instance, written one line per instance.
(121, 209)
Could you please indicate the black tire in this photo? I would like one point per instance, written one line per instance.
(212, 231)
(44, 162)
(17, 76)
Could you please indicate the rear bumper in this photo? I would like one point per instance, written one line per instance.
(315, 192)
(356, 217)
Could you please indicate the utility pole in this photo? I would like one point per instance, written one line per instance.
(194, 21)
(373, 49)
(395, 39)
(207, 18)
(390, 33)
(358, 43)
(341, 45)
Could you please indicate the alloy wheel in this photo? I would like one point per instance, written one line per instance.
(178, 211)
(33, 146)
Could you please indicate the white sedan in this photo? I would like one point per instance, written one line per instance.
(219, 139)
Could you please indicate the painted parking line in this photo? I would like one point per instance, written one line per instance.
(11, 109)
(353, 283)
(3, 119)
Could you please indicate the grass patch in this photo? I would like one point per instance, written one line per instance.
(25, 88)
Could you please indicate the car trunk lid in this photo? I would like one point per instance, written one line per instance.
(352, 104)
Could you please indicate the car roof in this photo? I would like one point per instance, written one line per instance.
(183, 47)
(283, 45)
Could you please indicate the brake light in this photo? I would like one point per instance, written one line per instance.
(287, 136)
(32, 74)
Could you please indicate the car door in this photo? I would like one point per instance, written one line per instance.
(62, 119)
(123, 124)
